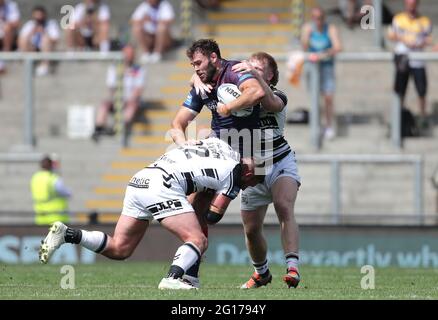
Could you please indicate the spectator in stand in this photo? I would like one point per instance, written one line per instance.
(151, 28)
(39, 34)
(91, 21)
(49, 193)
(132, 78)
(412, 32)
(9, 23)
(321, 39)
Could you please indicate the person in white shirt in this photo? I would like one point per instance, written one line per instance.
(151, 28)
(39, 34)
(91, 21)
(133, 84)
(9, 24)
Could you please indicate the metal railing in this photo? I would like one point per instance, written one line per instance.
(348, 57)
(396, 138)
(336, 161)
(12, 157)
(186, 14)
(29, 59)
(297, 12)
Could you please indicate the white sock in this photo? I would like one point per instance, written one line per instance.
(292, 260)
(104, 46)
(261, 267)
(93, 240)
(186, 256)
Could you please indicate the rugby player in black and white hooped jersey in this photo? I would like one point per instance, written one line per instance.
(282, 180)
(212, 69)
(281, 183)
(159, 192)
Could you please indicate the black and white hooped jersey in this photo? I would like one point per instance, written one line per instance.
(272, 124)
(210, 165)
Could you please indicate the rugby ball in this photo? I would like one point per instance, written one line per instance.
(228, 92)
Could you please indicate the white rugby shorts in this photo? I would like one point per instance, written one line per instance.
(153, 194)
(253, 197)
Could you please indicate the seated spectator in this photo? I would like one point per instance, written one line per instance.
(151, 23)
(39, 34)
(322, 40)
(91, 21)
(9, 23)
(132, 76)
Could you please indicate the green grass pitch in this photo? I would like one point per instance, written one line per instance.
(129, 280)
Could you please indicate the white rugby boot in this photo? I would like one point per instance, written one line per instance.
(192, 280)
(175, 284)
(53, 240)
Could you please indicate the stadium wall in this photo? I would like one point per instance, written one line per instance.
(336, 246)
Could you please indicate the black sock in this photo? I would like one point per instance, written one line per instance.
(175, 272)
(73, 236)
(99, 129)
(264, 275)
(194, 270)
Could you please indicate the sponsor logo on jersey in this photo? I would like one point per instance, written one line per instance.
(268, 122)
(139, 182)
(169, 205)
(212, 105)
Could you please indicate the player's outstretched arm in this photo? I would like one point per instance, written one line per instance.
(180, 124)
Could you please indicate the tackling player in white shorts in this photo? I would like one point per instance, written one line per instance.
(281, 184)
(159, 192)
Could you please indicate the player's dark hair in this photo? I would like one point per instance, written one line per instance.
(46, 163)
(205, 46)
(272, 64)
